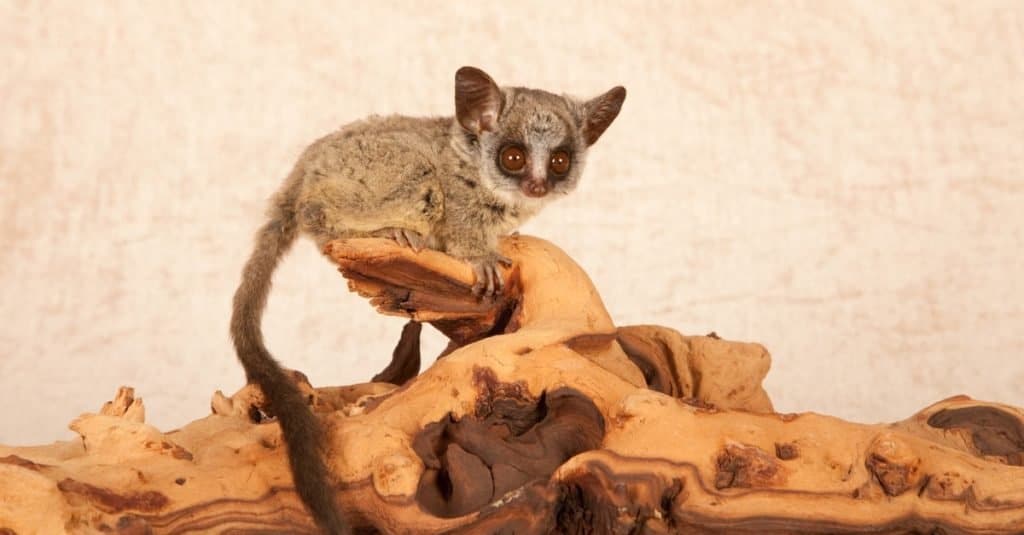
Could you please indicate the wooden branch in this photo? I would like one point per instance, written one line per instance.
(544, 417)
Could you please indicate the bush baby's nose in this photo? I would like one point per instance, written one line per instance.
(535, 188)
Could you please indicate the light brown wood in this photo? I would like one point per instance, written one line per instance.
(543, 417)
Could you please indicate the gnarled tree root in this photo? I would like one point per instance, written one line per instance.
(543, 417)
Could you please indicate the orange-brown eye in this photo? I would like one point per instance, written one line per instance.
(512, 158)
(560, 162)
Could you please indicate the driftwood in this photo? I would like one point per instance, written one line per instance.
(542, 418)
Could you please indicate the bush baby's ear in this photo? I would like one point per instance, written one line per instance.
(599, 112)
(478, 100)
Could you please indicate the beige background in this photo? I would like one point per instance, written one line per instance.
(843, 182)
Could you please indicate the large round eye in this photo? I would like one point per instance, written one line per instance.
(560, 162)
(512, 158)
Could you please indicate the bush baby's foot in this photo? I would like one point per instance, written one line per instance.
(404, 237)
(488, 276)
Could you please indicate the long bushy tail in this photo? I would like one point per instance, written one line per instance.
(303, 435)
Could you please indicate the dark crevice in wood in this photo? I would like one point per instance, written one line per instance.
(509, 441)
(993, 432)
(654, 360)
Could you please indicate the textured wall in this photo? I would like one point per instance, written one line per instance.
(843, 182)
